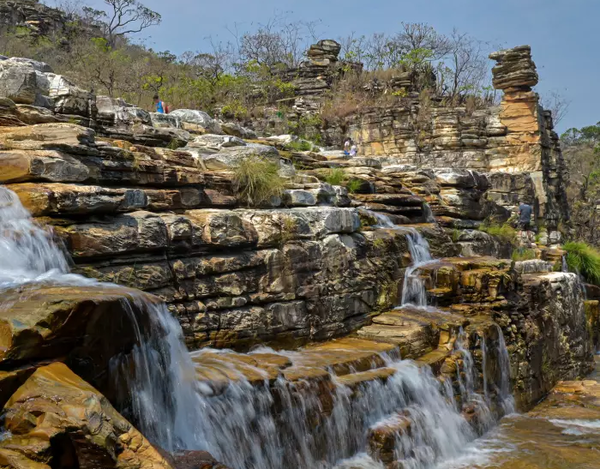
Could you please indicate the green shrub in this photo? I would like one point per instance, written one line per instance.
(335, 176)
(523, 254)
(257, 180)
(504, 232)
(585, 260)
(353, 185)
(299, 145)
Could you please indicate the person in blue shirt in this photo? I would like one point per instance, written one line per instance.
(160, 106)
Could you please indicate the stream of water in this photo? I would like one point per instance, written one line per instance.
(287, 424)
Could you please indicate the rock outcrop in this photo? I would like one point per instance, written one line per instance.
(56, 419)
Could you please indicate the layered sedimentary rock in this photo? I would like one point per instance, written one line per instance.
(58, 420)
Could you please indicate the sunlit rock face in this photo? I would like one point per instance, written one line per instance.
(65, 422)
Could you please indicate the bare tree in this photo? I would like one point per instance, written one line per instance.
(556, 102)
(465, 67)
(128, 17)
(421, 36)
(278, 41)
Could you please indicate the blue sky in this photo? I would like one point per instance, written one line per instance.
(564, 34)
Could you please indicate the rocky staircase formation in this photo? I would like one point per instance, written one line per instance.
(317, 271)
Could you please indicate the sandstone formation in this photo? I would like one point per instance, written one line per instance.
(58, 420)
(319, 269)
(514, 142)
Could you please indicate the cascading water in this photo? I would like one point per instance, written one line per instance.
(505, 389)
(28, 253)
(277, 429)
(484, 359)
(248, 426)
(159, 375)
(413, 291)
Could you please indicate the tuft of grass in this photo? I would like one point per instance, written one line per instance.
(257, 180)
(335, 176)
(585, 260)
(299, 145)
(354, 185)
(504, 232)
(379, 243)
(289, 227)
(523, 254)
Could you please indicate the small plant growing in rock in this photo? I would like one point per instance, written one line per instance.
(289, 227)
(354, 185)
(379, 243)
(523, 254)
(300, 145)
(504, 231)
(585, 260)
(335, 176)
(257, 180)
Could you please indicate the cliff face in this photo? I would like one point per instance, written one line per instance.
(513, 142)
(316, 263)
(514, 138)
(33, 15)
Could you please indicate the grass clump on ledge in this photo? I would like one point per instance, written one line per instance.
(523, 254)
(335, 176)
(257, 180)
(299, 145)
(585, 260)
(504, 231)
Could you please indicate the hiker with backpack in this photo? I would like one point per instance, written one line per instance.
(160, 106)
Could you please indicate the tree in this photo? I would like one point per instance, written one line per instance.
(581, 148)
(557, 103)
(465, 67)
(127, 17)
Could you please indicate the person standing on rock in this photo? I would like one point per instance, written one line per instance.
(160, 106)
(525, 212)
(353, 150)
(347, 145)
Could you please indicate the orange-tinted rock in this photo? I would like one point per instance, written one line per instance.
(59, 420)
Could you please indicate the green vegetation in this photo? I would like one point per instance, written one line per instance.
(257, 180)
(581, 148)
(299, 145)
(335, 176)
(353, 185)
(243, 78)
(289, 227)
(379, 243)
(523, 254)
(504, 231)
(585, 260)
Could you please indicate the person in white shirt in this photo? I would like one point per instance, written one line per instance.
(347, 145)
(353, 150)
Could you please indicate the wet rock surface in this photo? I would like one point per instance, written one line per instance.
(56, 419)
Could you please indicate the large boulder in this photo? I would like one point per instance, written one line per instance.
(70, 323)
(18, 82)
(235, 129)
(515, 69)
(69, 99)
(197, 121)
(121, 120)
(56, 419)
(230, 157)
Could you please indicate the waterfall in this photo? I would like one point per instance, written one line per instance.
(161, 392)
(304, 424)
(484, 369)
(413, 291)
(269, 438)
(28, 252)
(505, 389)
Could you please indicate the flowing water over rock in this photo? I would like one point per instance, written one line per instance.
(313, 421)
(413, 291)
